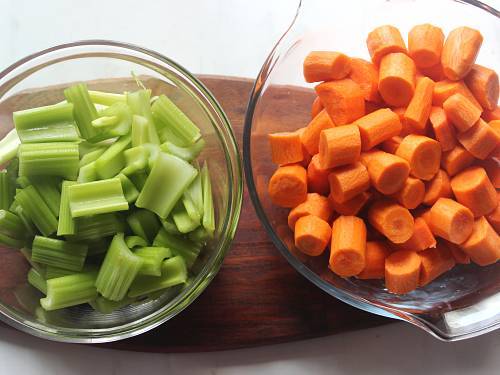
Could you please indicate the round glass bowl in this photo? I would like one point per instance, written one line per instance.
(464, 302)
(39, 80)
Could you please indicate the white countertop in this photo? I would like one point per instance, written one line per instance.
(189, 31)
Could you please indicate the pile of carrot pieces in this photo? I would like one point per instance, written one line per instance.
(398, 169)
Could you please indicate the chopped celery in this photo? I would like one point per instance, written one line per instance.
(23, 181)
(37, 210)
(112, 161)
(187, 153)
(87, 173)
(135, 241)
(96, 197)
(52, 272)
(179, 245)
(175, 126)
(84, 111)
(138, 179)
(169, 225)
(91, 156)
(106, 98)
(129, 190)
(144, 224)
(139, 103)
(173, 272)
(118, 270)
(66, 224)
(69, 291)
(152, 259)
(12, 230)
(48, 187)
(7, 190)
(208, 204)
(37, 280)
(58, 253)
(182, 220)
(53, 123)
(199, 235)
(105, 306)
(8, 146)
(167, 181)
(98, 226)
(195, 194)
(191, 209)
(153, 152)
(113, 121)
(136, 160)
(143, 131)
(40, 268)
(99, 246)
(28, 223)
(49, 159)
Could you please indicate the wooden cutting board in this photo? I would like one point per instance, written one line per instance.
(257, 298)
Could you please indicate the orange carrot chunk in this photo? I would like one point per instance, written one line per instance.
(316, 107)
(388, 172)
(375, 255)
(315, 205)
(312, 235)
(392, 220)
(396, 82)
(461, 112)
(435, 262)
(494, 216)
(348, 181)
(365, 74)
(438, 187)
(492, 168)
(343, 100)
(392, 144)
(352, 206)
(456, 160)
(307, 156)
(418, 111)
(325, 66)
(483, 83)
(444, 89)
(451, 220)
(423, 154)
(473, 189)
(339, 146)
(288, 186)
(480, 140)
(310, 135)
(348, 247)
(384, 40)
(377, 127)
(483, 245)
(421, 239)
(443, 130)
(457, 253)
(425, 43)
(402, 271)
(426, 215)
(317, 178)
(411, 194)
(286, 148)
(492, 115)
(460, 51)
(434, 72)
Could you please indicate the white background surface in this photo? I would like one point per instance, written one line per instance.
(214, 37)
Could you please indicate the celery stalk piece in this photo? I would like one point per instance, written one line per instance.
(105, 306)
(57, 253)
(195, 194)
(191, 209)
(173, 272)
(8, 146)
(28, 224)
(66, 224)
(113, 121)
(136, 160)
(87, 173)
(135, 241)
(7, 190)
(139, 103)
(40, 268)
(153, 152)
(106, 98)
(143, 131)
(98, 247)
(167, 181)
(175, 126)
(112, 161)
(23, 182)
(187, 153)
(91, 156)
(98, 197)
(208, 204)
(129, 190)
(37, 210)
(52, 272)
(37, 280)
(179, 245)
(144, 224)
(169, 225)
(96, 227)
(49, 159)
(199, 235)
(69, 291)
(118, 270)
(138, 179)
(153, 258)
(12, 230)
(53, 123)
(182, 220)
(84, 111)
(48, 188)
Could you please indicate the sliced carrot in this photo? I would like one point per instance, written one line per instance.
(391, 145)
(288, 186)
(461, 112)
(456, 160)
(426, 215)
(421, 239)
(375, 255)
(312, 235)
(435, 262)
(444, 89)
(307, 156)
(480, 140)
(316, 107)
(377, 127)
(315, 205)
(418, 110)
(437, 187)
(473, 189)
(425, 43)
(348, 181)
(457, 253)
(339, 146)
(286, 148)
(460, 51)
(348, 247)
(443, 130)
(325, 66)
(392, 220)
(434, 72)
(342, 99)
(396, 82)
(492, 168)
(494, 216)
(384, 40)
(423, 154)
(483, 245)
(483, 83)
(402, 271)
(411, 194)
(352, 206)
(400, 111)
(310, 135)
(451, 220)
(365, 74)
(317, 178)
(388, 172)
(491, 115)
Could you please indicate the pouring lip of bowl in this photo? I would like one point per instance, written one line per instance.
(231, 219)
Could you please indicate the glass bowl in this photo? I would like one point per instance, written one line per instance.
(40, 79)
(462, 303)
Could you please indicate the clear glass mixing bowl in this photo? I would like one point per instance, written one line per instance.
(40, 79)
(462, 303)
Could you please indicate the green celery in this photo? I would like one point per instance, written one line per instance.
(182, 220)
(136, 160)
(52, 272)
(69, 291)
(28, 223)
(91, 156)
(48, 188)
(138, 179)
(179, 245)
(105, 306)
(191, 209)
(106, 98)
(139, 103)
(153, 152)
(173, 272)
(112, 161)
(187, 153)
(135, 241)
(194, 194)
(8, 146)
(208, 204)
(66, 224)
(37, 280)
(7, 190)
(169, 225)
(97, 197)
(167, 181)
(84, 111)
(87, 173)
(144, 224)
(53, 123)
(98, 247)
(113, 121)
(58, 253)
(96, 227)
(199, 235)
(152, 259)
(129, 190)
(37, 210)
(118, 270)
(40, 268)
(23, 182)
(49, 159)
(143, 131)
(12, 230)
